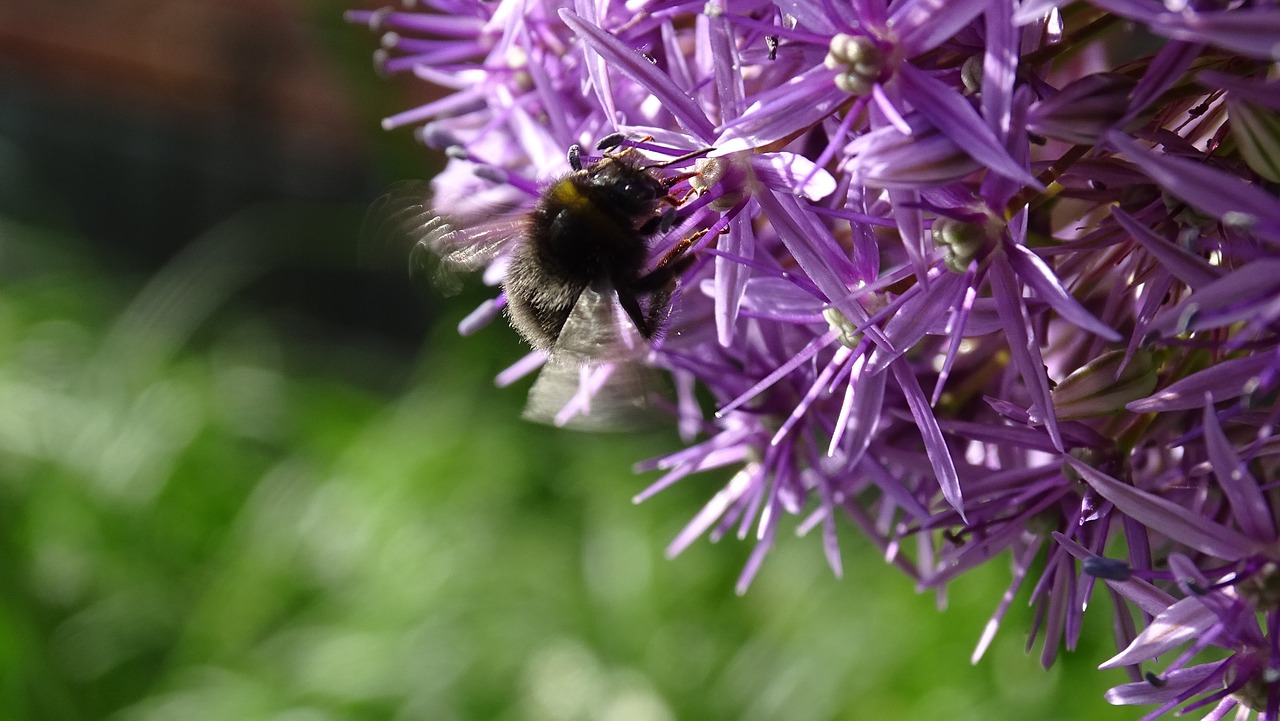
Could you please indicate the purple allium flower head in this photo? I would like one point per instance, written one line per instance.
(979, 277)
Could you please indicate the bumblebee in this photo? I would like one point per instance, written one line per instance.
(590, 230)
(585, 243)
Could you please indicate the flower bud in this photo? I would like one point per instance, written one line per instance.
(1101, 387)
(1257, 132)
(1083, 110)
(849, 337)
(859, 61)
(888, 158)
(962, 240)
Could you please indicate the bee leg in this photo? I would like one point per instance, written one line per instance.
(659, 307)
(674, 180)
(631, 305)
(575, 157)
(658, 284)
(675, 201)
(672, 264)
(662, 278)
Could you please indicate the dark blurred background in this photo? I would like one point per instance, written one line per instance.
(140, 125)
(248, 470)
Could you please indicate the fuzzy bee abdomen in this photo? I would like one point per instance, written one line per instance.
(539, 297)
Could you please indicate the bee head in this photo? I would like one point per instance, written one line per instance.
(633, 190)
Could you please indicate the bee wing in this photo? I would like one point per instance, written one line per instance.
(596, 331)
(403, 223)
(591, 332)
(593, 379)
(610, 396)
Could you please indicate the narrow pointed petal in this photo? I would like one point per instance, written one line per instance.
(1168, 67)
(910, 322)
(731, 278)
(935, 445)
(1140, 593)
(711, 512)
(1185, 266)
(521, 368)
(1037, 274)
(1175, 626)
(1209, 190)
(794, 173)
(1023, 345)
(1254, 32)
(780, 372)
(632, 63)
(1248, 504)
(958, 326)
(1257, 132)
(1224, 380)
(719, 44)
(1264, 93)
(801, 102)
(1021, 564)
(999, 66)
(1190, 528)
(952, 114)
(922, 25)
(818, 254)
(1172, 685)
(888, 158)
(864, 402)
(1232, 298)
(910, 218)
(1084, 110)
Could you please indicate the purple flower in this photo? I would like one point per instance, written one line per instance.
(1231, 587)
(975, 277)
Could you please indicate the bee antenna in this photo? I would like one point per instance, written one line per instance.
(679, 158)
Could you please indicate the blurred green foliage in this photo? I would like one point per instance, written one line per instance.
(207, 514)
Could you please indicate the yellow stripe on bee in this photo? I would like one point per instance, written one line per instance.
(585, 212)
(567, 193)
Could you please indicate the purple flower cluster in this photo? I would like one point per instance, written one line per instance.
(980, 277)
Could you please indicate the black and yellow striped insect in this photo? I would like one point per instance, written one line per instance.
(578, 255)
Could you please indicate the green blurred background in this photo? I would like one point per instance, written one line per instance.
(246, 475)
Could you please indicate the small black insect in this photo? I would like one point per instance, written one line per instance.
(585, 243)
